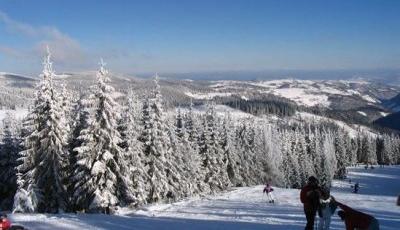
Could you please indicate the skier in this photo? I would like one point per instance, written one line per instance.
(309, 196)
(268, 190)
(356, 187)
(5, 224)
(354, 219)
(327, 208)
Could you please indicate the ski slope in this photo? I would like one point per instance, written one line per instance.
(241, 208)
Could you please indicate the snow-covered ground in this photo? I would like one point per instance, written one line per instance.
(352, 129)
(241, 208)
(303, 92)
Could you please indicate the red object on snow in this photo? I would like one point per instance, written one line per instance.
(355, 219)
(5, 224)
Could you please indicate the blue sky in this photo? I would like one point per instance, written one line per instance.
(192, 36)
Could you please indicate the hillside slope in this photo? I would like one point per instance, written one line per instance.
(241, 208)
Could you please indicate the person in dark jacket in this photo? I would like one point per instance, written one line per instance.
(309, 196)
(356, 187)
(354, 219)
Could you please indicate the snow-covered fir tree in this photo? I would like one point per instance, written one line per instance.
(44, 158)
(9, 150)
(102, 176)
(133, 153)
(328, 160)
(340, 154)
(162, 172)
(231, 160)
(211, 152)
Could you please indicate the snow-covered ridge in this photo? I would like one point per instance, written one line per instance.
(352, 130)
(303, 92)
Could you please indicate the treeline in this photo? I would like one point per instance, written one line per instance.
(94, 154)
(260, 106)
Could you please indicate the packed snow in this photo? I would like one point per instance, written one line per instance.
(384, 114)
(362, 113)
(241, 208)
(207, 95)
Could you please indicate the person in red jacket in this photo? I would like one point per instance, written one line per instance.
(5, 224)
(354, 219)
(309, 196)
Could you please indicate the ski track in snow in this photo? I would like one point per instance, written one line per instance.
(241, 208)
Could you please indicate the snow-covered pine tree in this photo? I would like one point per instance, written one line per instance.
(389, 150)
(245, 147)
(9, 150)
(44, 158)
(263, 167)
(134, 156)
(340, 154)
(227, 135)
(101, 176)
(290, 160)
(182, 153)
(328, 160)
(368, 150)
(315, 150)
(81, 120)
(191, 125)
(163, 178)
(216, 175)
(305, 163)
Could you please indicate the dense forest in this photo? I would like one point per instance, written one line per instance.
(88, 152)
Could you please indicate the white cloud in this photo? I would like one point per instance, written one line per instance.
(65, 50)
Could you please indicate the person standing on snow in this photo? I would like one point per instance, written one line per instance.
(356, 187)
(309, 196)
(327, 208)
(268, 190)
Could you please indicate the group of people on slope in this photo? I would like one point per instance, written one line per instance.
(318, 200)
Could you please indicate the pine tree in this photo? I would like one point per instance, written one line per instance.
(191, 122)
(163, 177)
(101, 175)
(8, 161)
(44, 158)
(212, 156)
(229, 149)
(328, 160)
(340, 154)
(134, 155)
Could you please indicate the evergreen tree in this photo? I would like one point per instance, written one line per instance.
(163, 177)
(340, 154)
(229, 149)
(101, 175)
(216, 175)
(44, 158)
(134, 156)
(8, 161)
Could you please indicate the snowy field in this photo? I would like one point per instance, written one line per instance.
(241, 208)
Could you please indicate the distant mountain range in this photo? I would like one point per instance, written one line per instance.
(354, 101)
